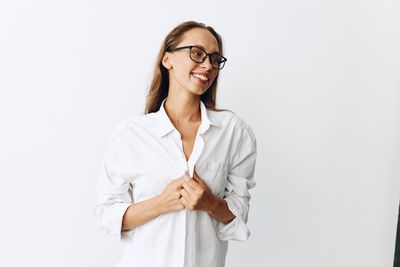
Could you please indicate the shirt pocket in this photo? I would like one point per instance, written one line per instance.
(215, 175)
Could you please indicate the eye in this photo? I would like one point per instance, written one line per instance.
(198, 53)
(217, 59)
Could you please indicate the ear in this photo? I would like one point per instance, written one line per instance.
(166, 61)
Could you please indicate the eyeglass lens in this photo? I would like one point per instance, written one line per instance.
(199, 56)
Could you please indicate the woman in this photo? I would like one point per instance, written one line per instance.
(175, 181)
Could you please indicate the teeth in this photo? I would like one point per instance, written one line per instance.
(204, 78)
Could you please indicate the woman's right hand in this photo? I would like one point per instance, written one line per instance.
(169, 199)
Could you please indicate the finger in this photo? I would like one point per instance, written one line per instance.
(192, 183)
(179, 181)
(188, 188)
(197, 178)
(185, 203)
(187, 176)
(185, 194)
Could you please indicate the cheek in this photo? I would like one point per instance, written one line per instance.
(184, 70)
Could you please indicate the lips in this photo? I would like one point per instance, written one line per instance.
(205, 74)
(203, 82)
(203, 78)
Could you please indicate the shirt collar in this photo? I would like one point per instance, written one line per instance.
(165, 126)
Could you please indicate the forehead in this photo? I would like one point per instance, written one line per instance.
(202, 38)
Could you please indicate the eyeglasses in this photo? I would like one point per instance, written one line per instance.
(198, 55)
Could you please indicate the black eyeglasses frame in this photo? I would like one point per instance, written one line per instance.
(207, 54)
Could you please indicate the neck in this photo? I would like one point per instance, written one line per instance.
(183, 108)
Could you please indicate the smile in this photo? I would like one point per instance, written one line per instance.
(201, 77)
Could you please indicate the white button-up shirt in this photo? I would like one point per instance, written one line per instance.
(144, 154)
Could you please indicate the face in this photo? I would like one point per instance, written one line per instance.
(184, 72)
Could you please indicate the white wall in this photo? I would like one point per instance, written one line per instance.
(318, 81)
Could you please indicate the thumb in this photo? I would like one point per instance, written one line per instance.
(197, 177)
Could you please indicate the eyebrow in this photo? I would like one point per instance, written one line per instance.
(215, 52)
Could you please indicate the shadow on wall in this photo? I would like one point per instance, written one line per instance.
(397, 249)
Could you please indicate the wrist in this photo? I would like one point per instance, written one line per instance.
(157, 206)
(214, 204)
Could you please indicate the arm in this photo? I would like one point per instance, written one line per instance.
(231, 212)
(240, 181)
(140, 213)
(114, 188)
(197, 195)
(144, 211)
(220, 211)
(116, 211)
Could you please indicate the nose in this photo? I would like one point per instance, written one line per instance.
(207, 64)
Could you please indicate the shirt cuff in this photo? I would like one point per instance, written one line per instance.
(115, 231)
(237, 229)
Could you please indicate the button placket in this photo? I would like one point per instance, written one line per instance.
(178, 141)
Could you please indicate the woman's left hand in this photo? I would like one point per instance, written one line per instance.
(196, 195)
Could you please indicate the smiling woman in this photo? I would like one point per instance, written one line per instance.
(175, 181)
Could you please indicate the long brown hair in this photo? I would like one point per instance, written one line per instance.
(158, 90)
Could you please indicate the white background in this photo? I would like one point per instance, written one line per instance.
(318, 82)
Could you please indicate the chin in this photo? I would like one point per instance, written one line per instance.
(198, 91)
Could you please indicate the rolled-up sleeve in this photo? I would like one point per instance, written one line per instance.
(240, 181)
(114, 189)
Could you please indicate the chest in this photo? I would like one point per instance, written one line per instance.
(188, 134)
(167, 159)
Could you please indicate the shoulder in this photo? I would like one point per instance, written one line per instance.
(237, 127)
(130, 125)
(231, 120)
